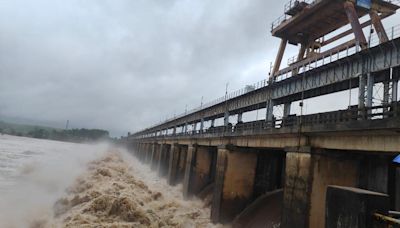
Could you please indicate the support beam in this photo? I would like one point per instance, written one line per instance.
(199, 175)
(286, 109)
(173, 164)
(153, 156)
(269, 118)
(355, 24)
(164, 160)
(380, 30)
(370, 90)
(201, 125)
(308, 174)
(240, 118)
(395, 85)
(189, 169)
(234, 187)
(212, 122)
(279, 57)
(226, 119)
(159, 159)
(361, 95)
(386, 95)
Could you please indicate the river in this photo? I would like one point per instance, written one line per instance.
(41, 185)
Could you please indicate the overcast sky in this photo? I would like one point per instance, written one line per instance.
(123, 65)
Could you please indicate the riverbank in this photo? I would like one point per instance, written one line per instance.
(118, 191)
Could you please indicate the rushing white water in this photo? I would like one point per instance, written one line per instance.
(35, 173)
(93, 185)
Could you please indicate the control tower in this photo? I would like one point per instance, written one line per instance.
(308, 22)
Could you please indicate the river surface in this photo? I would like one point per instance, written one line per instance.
(56, 184)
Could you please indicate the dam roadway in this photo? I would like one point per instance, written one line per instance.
(297, 158)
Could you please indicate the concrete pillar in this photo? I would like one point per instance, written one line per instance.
(234, 186)
(286, 109)
(173, 164)
(182, 163)
(201, 125)
(164, 160)
(370, 90)
(240, 118)
(386, 95)
(156, 157)
(174, 131)
(270, 112)
(189, 169)
(152, 156)
(308, 175)
(226, 119)
(199, 176)
(212, 122)
(297, 190)
(361, 95)
(395, 85)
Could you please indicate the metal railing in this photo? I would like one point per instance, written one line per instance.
(292, 3)
(333, 56)
(289, 5)
(393, 33)
(293, 122)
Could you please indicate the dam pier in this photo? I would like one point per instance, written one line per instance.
(325, 169)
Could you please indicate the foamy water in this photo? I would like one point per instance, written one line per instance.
(54, 184)
(35, 173)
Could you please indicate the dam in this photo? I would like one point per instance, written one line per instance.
(326, 169)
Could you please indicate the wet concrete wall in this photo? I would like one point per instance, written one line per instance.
(353, 207)
(234, 183)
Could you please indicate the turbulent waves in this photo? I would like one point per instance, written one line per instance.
(115, 192)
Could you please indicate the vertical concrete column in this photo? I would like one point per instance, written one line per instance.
(395, 84)
(286, 109)
(183, 150)
(370, 90)
(226, 119)
(386, 95)
(270, 112)
(159, 157)
(308, 174)
(198, 170)
(296, 195)
(233, 185)
(201, 125)
(189, 169)
(173, 164)
(164, 160)
(201, 176)
(212, 122)
(240, 118)
(361, 95)
(153, 153)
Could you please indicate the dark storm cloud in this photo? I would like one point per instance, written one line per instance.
(123, 65)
